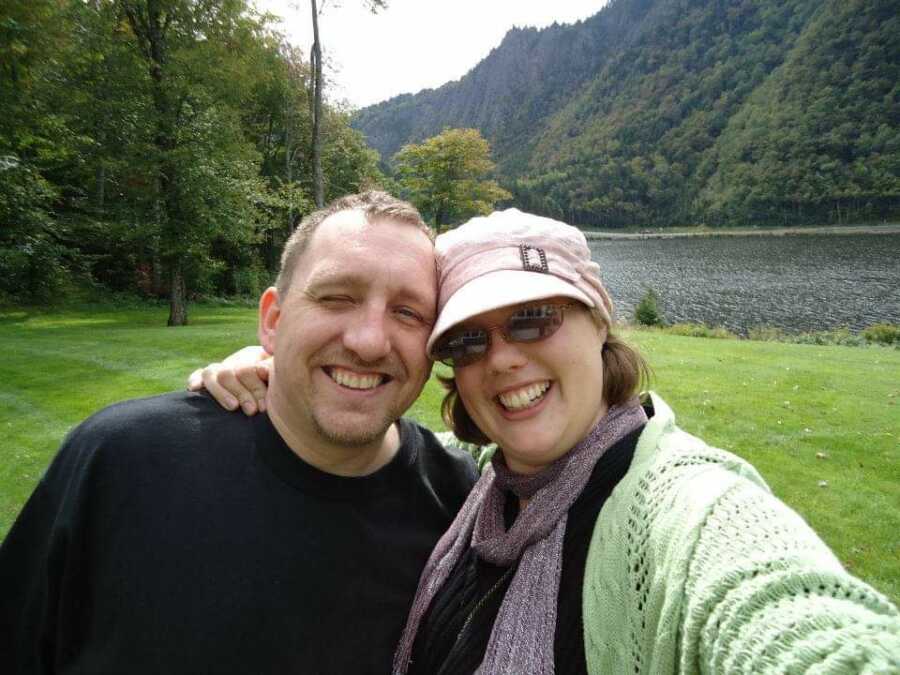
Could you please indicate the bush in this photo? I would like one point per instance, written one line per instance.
(251, 280)
(883, 334)
(647, 312)
(837, 336)
(767, 334)
(34, 270)
(886, 334)
(701, 330)
(33, 263)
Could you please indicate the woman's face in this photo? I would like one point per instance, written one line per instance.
(536, 400)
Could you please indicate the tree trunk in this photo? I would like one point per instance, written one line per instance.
(101, 185)
(150, 31)
(289, 169)
(177, 305)
(156, 276)
(316, 63)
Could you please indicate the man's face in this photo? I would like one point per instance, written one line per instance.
(349, 338)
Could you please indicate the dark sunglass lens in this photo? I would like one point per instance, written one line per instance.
(534, 323)
(458, 349)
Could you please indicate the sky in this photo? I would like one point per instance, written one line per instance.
(413, 44)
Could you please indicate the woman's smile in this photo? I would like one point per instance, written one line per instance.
(524, 397)
(536, 400)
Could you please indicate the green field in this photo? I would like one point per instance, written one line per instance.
(777, 405)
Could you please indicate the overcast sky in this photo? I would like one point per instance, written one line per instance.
(413, 44)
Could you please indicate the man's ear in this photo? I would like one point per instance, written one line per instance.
(269, 313)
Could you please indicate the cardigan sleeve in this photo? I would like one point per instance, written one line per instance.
(764, 594)
(695, 567)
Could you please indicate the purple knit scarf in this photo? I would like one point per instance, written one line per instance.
(522, 637)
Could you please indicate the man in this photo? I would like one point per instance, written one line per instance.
(170, 536)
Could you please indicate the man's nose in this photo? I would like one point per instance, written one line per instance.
(367, 334)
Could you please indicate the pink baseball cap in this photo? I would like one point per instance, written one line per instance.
(510, 257)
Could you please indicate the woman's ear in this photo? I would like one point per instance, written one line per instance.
(602, 328)
(269, 313)
(603, 332)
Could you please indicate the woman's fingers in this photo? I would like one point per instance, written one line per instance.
(195, 380)
(240, 380)
(253, 379)
(222, 384)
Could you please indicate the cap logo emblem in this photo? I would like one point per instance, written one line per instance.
(533, 259)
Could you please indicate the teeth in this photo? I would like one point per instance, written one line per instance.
(348, 378)
(524, 397)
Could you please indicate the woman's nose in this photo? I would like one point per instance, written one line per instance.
(504, 355)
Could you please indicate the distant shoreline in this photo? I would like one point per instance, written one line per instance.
(893, 228)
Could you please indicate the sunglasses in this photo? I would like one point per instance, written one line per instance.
(465, 345)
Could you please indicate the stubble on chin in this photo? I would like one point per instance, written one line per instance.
(348, 428)
(351, 435)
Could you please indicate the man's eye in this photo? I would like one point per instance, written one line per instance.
(335, 300)
(410, 315)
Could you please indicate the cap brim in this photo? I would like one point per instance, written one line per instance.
(500, 289)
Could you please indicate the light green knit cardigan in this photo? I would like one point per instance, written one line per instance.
(695, 567)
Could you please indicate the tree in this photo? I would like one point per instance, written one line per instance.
(315, 83)
(203, 166)
(648, 312)
(315, 61)
(33, 257)
(446, 176)
(156, 146)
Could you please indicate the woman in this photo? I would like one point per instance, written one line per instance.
(524, 321)
(602, 538)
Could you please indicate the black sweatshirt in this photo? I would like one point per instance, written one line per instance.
(170, 536)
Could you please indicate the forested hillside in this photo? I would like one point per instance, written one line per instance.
(667, 112)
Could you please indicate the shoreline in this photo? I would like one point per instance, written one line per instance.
(893, 228)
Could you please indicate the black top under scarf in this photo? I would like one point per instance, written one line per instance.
(455, 630)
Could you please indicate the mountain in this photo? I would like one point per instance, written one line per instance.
(663, 112)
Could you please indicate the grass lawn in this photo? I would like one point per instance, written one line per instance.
(777, 405)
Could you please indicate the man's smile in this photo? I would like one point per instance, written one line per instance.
(354, 380)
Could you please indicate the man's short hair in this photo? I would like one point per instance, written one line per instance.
(375, 204)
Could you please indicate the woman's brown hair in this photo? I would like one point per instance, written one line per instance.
(625, 372)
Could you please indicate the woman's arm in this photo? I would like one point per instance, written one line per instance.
(695, 567)
(239, 380)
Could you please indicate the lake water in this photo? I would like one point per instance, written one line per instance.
(799, 282)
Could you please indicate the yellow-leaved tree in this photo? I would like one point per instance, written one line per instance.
(448, 177)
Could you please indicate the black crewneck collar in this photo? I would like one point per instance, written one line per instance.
(296, 472)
